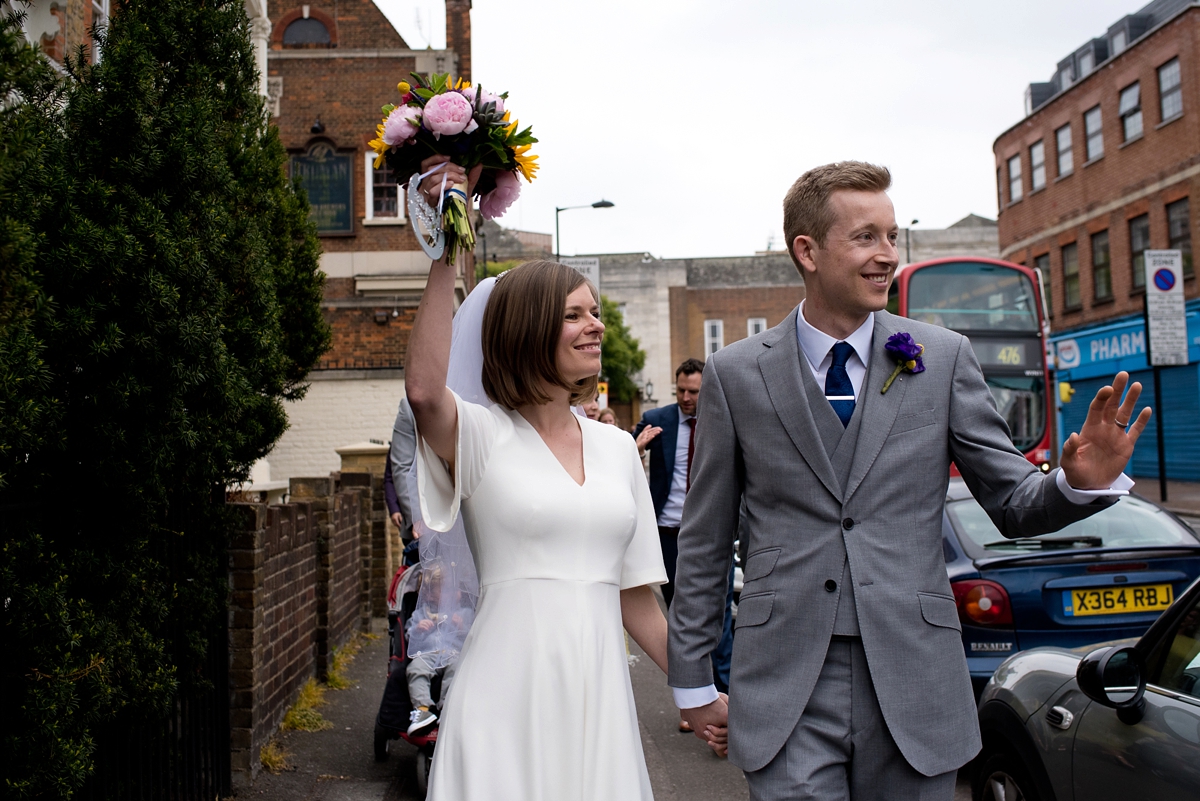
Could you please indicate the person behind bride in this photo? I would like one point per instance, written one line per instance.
(561, 527)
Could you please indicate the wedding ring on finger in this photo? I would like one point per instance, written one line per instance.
(1122, 425)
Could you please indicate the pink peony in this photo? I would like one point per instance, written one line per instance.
(401, 125)
(449, 114)
(496, 202)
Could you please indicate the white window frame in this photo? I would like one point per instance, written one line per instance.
(369, 192)
(1037, 165)
(755, 325)
(1064, 154)
(1091, 135)
(1130, 110)
(101, 14)
(1172, 94)
(714, 337)
(1016, 190)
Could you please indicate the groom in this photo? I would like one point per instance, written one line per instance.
(849, 678)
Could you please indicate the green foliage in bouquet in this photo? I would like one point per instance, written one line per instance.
(620, 354)
(173, 308)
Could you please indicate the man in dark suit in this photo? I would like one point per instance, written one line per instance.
(668, 433)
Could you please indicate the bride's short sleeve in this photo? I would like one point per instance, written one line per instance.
(441, 494)
(643, 563)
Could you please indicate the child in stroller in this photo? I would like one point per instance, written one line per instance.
(427, 623)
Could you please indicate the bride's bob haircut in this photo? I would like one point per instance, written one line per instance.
(522, 325)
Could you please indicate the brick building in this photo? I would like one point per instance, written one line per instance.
(330, 66)
(61, 26)
(1103, 167)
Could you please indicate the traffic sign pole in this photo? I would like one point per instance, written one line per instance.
(1166, 334)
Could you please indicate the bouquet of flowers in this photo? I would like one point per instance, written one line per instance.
(438, 115)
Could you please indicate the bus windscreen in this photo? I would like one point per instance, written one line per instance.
(970, 296)
(1021, 401)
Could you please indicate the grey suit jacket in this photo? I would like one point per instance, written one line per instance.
(756, 440)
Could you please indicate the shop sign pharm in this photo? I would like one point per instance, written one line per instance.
(1166, 319)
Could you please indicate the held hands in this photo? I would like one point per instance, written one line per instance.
(711, 723)
(1095, 457)
(644, 438)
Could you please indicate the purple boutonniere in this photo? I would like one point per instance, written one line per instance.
(907, 354)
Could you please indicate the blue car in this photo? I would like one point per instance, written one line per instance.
(1105, 578)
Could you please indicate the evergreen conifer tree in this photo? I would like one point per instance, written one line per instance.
(180, 270)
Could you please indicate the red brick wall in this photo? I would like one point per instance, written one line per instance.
(289, 608)
(691, 307)
(1141, 176)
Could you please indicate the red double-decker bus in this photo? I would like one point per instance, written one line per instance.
(998, 307)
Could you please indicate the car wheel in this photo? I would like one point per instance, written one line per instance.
(1004, 778)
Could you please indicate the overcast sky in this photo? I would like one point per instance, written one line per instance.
(695, 116)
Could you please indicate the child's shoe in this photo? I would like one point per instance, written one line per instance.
(422, 718)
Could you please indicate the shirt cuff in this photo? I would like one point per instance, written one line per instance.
(1119, 487)
(692, 697)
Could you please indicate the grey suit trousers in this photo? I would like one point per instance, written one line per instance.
(841, 750)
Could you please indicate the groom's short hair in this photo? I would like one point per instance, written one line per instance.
(522, 323)
(806, 210)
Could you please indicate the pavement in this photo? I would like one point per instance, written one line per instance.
(338, 764)
(1183, 497)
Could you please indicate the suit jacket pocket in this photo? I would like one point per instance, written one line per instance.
(760, 564)
(911, 422)
(938, 610)
(754, 610)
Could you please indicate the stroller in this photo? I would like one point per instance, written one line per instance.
(392, 721)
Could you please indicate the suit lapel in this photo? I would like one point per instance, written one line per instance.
(878, 410)
(670, 433)
(780, 366)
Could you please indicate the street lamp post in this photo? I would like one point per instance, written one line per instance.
(599, 204)
(907, 237)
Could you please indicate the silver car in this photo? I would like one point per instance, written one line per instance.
(1119, 721)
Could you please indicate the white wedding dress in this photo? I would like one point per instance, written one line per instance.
(541, 708)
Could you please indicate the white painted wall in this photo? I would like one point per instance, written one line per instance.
(335, 413)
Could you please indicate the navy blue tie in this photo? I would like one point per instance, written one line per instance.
(838, 388)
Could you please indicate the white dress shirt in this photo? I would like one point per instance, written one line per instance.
(672, 511)
(817, 347)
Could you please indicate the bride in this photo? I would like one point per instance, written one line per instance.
(562, 530)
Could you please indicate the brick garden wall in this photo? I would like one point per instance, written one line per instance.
(299, 590)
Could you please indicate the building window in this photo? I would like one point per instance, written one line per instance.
(714, 336)
(1118, 42)
(1130, 111)
(1037, 165)
(1139, 240)
(1062, 141)
(385, 197)
(1101, 267)
(1070, 263)
(756, 325)
(1014, 178)
(101, 10)
(1170, 93)
(306, 32)
(1095, 137)
(1087, 62)
(1179, 232)
(1042, 265)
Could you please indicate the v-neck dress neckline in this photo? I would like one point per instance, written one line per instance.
(583, 449)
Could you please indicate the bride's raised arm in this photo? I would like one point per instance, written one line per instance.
(429, 344)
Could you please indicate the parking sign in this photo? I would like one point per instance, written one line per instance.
(1166, 319)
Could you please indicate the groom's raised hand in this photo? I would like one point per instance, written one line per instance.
(710, 723)
(1094, 458)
